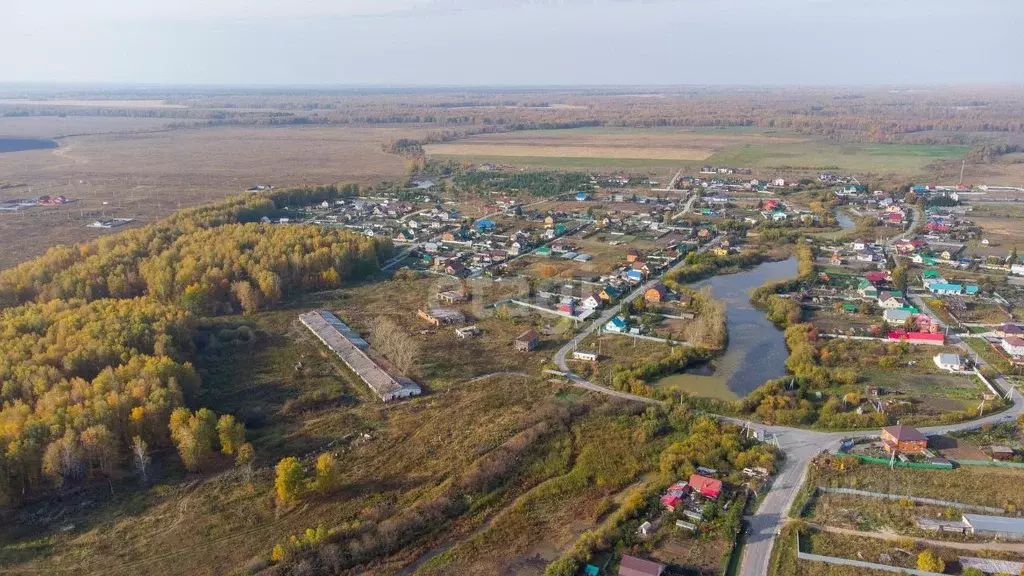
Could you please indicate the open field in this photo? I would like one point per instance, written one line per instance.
(766, 150)
(148, 175)
(57, 126)
(902, 159)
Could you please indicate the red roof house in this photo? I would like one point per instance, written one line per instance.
(708, 487)
(671, 502)
(876, 277)
(919, 337)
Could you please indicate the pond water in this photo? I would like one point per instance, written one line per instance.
(844, 220)
(757, 349)
(8, 144)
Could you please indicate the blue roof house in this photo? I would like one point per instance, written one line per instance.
(616, 324)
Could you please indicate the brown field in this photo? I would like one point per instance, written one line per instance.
(148, 175)
(1003, 235)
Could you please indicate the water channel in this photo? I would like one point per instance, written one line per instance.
(757, 349)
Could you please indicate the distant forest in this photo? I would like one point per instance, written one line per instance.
(933, 116)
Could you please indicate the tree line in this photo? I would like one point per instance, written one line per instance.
(96, 339)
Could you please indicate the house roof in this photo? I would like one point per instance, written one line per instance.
(949, 359)
(1014, 341)
(659, 288)
(528, 336)
(702, 483)
(633, 566)
(905, 434)
(1010, 329)
(618, 322)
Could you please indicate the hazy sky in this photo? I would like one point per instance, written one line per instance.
(513, 42)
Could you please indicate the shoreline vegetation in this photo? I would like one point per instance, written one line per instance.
(802, 398)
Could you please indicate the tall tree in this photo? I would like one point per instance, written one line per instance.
(231, 433)
(288, 480)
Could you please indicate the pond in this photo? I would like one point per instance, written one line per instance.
(8, 144)
(844, 220)
(757, 349)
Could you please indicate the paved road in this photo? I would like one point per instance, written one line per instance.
(915, 224)
(688, 207)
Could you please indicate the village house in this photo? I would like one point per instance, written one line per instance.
(1008, 330)
(616, 324)
(890, 300)
(633, 566)
(903, 439)
(656, 293)
(527, 341)
(585, 356)
(707, 487)
(594, 300)
(1013, 346)
(867, 289)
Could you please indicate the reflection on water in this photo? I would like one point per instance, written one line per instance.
(757, 349)
(20, 144)
(844, 220)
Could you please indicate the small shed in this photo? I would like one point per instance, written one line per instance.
(684, 525)
(527, 341)
(1001, 452)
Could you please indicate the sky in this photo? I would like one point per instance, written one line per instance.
(512, 42)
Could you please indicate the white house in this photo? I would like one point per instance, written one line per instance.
(949, 362)
(887, 301)
(616, 324)
(1017, 269)
(865, 256)
(779, 182)
(1014, 346)
(860, 244)
(896, 315)
(587, 356)
(592, 301)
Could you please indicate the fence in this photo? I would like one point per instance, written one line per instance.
(919, 500)
(898, 464)
(857, 563)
